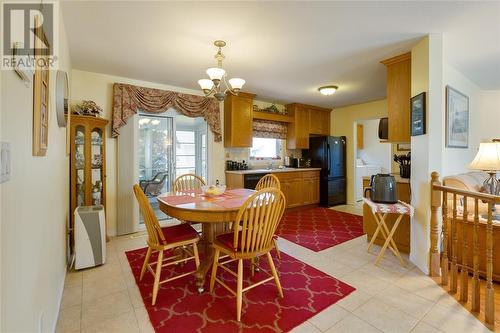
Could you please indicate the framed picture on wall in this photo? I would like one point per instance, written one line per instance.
(403, 147)
(40, 92)
(418, 114)
(457, 119)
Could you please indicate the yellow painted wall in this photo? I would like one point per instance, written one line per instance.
(343, 123)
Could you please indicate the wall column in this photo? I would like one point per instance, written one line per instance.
(426, 150)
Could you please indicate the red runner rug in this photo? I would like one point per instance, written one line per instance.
(179, 307)
(319, 228)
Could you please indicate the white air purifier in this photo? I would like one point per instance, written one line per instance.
(90, 236)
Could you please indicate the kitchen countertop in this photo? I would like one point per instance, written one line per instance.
(399, 179)
(255, 171)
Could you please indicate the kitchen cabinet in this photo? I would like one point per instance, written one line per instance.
(308, 120)
(291, 186)
(297, 136)
(238, 120)
(319, 121)
(398, 97)
(360, 136)
(300, 186)
(310, 189)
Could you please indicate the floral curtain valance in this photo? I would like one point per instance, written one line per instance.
(269, 129)
(128, 99)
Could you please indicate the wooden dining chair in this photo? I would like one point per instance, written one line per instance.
(188, 182)
(259, 216)
(181, 237)
(270, 180)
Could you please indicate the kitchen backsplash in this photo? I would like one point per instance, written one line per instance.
(243, 154)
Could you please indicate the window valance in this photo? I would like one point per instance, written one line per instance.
(269, 129)
(129, 99)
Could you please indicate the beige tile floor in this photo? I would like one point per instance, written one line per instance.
(389, 298)
(356, 208)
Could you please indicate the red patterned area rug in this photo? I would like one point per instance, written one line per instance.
(319, 228)
(179, 307)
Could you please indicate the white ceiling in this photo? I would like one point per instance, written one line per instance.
(284, 50)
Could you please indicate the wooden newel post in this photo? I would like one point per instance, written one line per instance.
(435, 204)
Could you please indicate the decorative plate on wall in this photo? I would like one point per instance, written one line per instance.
(62, 93)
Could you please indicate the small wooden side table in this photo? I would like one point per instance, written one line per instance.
(380, 212)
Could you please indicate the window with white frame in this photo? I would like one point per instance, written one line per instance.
(185, 153)
(265, 148)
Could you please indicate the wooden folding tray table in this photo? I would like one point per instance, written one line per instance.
(380, 212)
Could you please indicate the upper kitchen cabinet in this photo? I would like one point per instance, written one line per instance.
(297, 136)
(398, 96)
(319, 121)
(238, 120)
(308, 120)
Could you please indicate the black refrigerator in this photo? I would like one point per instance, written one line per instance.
(328, 153)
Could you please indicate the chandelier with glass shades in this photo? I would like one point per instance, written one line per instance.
(218, 76)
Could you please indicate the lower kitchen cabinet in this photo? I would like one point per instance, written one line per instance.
(292, 190)
(310, 189)
(300, 187)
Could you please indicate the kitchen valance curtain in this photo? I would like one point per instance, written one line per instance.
(128, 99)
(269, 129)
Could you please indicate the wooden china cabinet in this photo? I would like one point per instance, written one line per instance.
(87, 163)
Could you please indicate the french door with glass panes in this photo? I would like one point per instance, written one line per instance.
(156, 157)
(169, 145)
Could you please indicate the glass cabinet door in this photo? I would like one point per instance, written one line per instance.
(80, 165)
(97, 176)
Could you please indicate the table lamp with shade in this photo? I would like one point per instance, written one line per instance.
(488, 160)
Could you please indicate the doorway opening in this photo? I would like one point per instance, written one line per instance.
(371, 155)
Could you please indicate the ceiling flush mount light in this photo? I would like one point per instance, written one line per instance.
(328, 90)
(218, 76)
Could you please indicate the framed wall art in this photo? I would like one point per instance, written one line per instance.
(403, 147)
(457, 119)
(418, 114)
(41, 92)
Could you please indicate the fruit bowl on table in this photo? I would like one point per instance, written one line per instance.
(213, 190)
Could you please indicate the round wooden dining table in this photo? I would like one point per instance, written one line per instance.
(214, 213)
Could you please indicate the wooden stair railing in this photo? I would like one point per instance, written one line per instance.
(448, 268)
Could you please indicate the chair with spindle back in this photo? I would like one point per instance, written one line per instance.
(188, 182)
(259, 217)
(181, 236)
(270, 180)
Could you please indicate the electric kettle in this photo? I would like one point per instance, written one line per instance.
(383, 188)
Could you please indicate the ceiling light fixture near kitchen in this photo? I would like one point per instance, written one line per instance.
(328, 90)
(218, 75)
